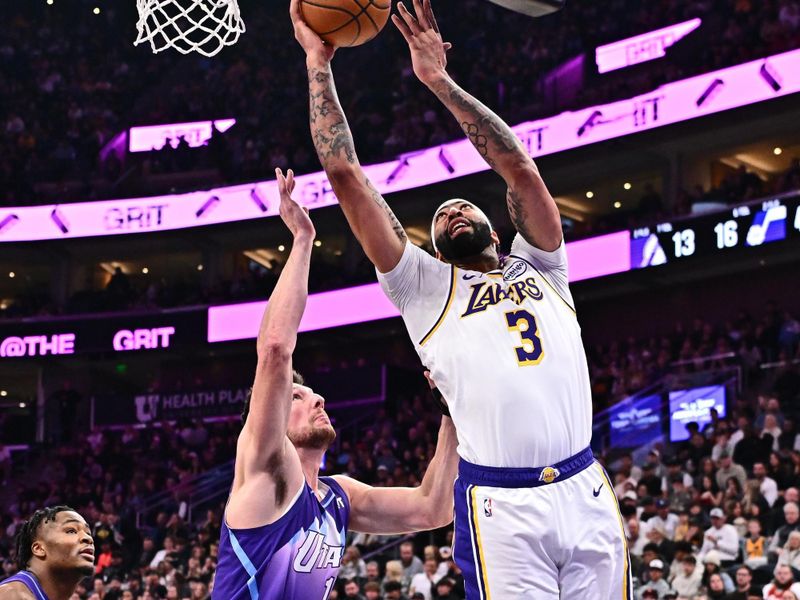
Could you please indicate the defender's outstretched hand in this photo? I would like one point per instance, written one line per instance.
(313, 45)
(294, 216)
(428, 51)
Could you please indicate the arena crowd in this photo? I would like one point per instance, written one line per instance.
(73, 81)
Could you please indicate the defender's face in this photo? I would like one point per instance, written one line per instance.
(66, 543)
(309, 425)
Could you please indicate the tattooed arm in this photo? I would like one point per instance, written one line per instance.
(530, 205)
(372, 221)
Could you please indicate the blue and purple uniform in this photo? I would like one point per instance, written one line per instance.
(295, 558)
(30, 581)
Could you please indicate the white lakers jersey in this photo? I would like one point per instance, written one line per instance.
(505, 350)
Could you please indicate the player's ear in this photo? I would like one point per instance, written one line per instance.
(495, 238)
(37, 549)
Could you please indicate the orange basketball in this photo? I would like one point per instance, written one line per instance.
(346, 22)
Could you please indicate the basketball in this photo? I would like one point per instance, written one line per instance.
(346, 22)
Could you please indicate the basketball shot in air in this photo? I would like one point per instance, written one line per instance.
(536, 516)
(346, 22)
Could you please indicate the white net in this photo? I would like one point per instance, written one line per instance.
(204, 26)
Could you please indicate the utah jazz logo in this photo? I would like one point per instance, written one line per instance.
(549, 474)
(488, 294)
(316, 554)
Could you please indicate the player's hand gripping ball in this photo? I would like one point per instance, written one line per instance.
(343, 23)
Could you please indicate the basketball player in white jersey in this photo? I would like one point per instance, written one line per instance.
(536, 517)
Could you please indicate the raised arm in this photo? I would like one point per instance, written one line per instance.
(530, 205)
(267, 466)
(386, 510)
(372, 221)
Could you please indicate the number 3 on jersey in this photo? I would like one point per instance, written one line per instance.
(524, 323)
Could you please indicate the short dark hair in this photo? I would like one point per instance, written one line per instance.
(392, 586)
(29, 531)
(296, 378)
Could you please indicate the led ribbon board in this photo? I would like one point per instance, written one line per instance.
(594, 257)
(642, 48)
(155, 137)
(676, 102)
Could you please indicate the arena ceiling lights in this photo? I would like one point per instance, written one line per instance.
(680, 101)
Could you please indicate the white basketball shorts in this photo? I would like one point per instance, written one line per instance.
(543, 533)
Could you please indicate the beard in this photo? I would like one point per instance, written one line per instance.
(313, 438)
(465, 245)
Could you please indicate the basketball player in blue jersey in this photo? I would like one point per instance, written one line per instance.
(55, 551)
(284, 530)
(536, 517)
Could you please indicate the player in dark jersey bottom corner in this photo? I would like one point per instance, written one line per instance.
(55, 551)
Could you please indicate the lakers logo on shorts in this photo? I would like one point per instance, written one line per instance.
(549, 474)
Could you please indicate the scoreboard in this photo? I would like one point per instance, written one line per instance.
(743, 226)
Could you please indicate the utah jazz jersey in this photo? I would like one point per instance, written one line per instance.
(505, 350)
(30, 581)
(295, 558)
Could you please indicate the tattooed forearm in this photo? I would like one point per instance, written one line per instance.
(517, 210)
(332, 138)
(378, 199)
(492, 138)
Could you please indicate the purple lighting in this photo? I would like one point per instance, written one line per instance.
(37, 345)
(742, 85)
(155, 137)
(641, 48)
(323, 311)
(143, 339)
(598, 256)
(595, 257)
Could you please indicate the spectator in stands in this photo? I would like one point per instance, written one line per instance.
(424, 583)
(783, 581)
(791, 551)
(664, 547)
(744, 585)
(445, 590)
(664, 518)
(412, 565)
(716, 587)
(688, 579)
(766, 485)
(352, 590)
(656, 581)
(754, 549)
(720, 537)
(394, 572)
(792, 523)
(727, 468)
(372, 590)
(353, 566)
(712, 566)
(393, 590)
(373, 573)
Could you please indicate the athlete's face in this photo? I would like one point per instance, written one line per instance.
(309, 425)
(66, 544)
(461, 231)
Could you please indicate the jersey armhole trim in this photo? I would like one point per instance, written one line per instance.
(550, 285)
(450, 295)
